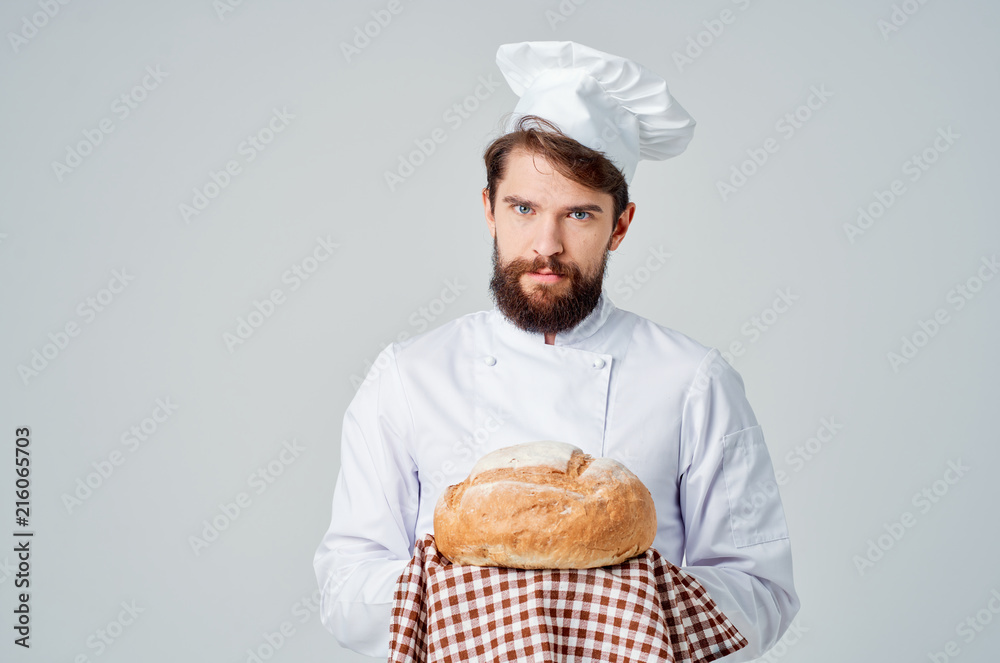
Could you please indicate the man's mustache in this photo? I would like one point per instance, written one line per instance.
(522, 266)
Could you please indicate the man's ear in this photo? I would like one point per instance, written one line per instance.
(490, 220)
(622, 226)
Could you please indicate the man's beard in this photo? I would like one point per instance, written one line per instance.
(543, 311)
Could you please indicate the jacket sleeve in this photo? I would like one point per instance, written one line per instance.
(375, 501)
(736, 537)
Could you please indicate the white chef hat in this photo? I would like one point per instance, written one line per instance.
(605, 102)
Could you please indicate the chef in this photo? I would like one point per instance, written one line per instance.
(555, 359)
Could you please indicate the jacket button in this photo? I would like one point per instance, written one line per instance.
(490, 360)
(598, 363)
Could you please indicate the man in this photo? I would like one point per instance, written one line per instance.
(557, 360)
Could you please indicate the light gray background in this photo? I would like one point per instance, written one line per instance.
(323, 176)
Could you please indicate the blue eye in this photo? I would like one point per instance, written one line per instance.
(580, 218)
(518, 208)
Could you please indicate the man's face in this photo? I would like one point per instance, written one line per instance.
(551, 238)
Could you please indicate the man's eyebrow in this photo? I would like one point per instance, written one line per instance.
(589, 207)
(518, 200)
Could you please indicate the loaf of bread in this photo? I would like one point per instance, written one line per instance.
(545, 505)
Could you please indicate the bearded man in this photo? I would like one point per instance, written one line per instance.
(557, 360)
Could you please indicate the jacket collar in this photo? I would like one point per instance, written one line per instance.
(587, 327)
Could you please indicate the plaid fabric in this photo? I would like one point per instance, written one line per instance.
(644, 609)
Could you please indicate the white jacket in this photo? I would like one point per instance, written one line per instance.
(617, 385)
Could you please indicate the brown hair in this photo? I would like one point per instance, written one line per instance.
(570, 158)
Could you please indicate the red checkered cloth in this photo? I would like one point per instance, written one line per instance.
(644, 609)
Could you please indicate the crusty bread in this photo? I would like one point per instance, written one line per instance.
(545, 505)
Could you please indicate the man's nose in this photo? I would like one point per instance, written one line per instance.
(548, 237)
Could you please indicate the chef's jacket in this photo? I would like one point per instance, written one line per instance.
(670, 409)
